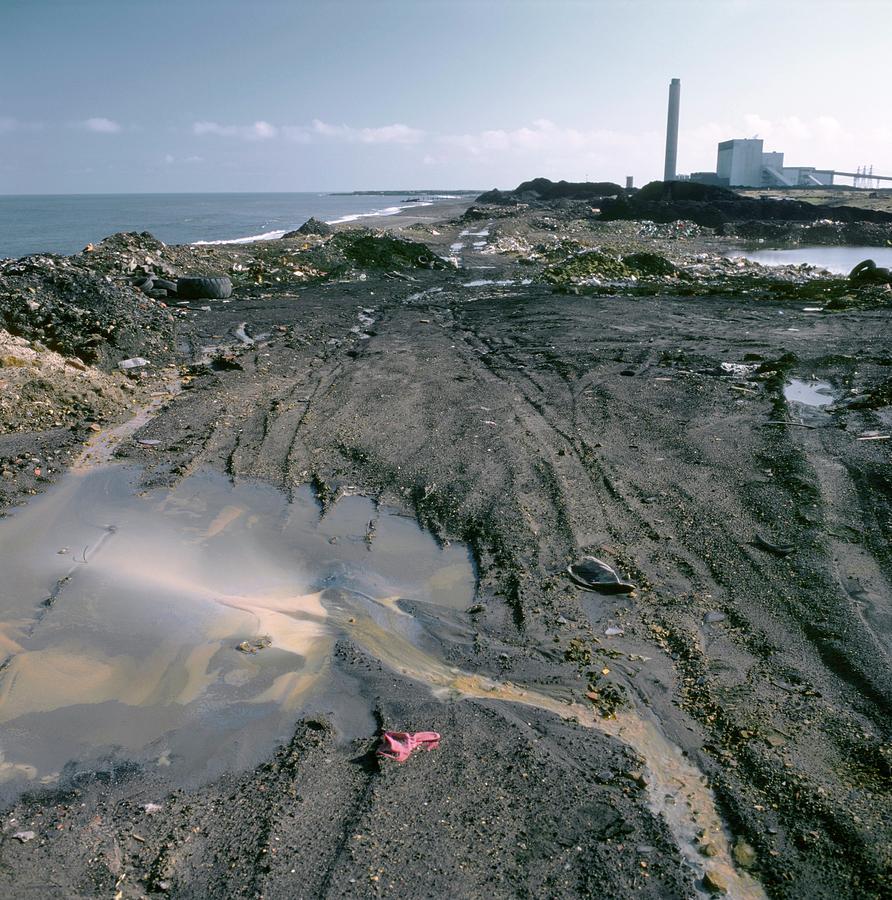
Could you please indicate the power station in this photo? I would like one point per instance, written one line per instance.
(743, 162)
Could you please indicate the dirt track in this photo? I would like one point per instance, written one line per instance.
(538, 427)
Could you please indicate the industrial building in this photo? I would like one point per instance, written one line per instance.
(743, 162)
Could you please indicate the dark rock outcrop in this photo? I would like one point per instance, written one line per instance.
(714, 207)
(541, 189)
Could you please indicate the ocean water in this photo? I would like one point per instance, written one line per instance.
(67, 223)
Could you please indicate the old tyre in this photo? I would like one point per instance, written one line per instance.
(864, 271)
(164, 285)
(217, 287)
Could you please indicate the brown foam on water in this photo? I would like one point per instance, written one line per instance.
(138, 651)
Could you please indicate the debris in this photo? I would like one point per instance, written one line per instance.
(714, 616)
(152, 808)
(147, 442)
(873, 437)
(399, 745)
(596, 575)
(212, 287)
(24, 836)
(614, 631)
(776, 549)
(135, 362)
(254, 645)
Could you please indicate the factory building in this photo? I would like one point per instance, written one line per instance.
(744, 163)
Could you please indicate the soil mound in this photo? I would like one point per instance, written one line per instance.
(311, 226)
(82, 312)
(714, 207)
(543, 189)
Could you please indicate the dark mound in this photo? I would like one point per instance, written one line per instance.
(686, 191)
(311, 226)
(543, 189)
(367, 249)
(82, 313)
(713, 207)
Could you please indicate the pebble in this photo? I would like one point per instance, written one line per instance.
(744, 854)
(714, 883)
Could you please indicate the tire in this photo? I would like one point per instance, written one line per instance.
(864, 271)
(164, 285)
(217, 287)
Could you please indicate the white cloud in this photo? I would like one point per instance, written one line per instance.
(386, 134)
(259, 131)
(543, 137)
(316, 131)
(101, 125)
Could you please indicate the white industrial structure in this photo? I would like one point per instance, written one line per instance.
(743, 163)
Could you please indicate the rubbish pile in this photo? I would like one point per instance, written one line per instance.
(81, 312)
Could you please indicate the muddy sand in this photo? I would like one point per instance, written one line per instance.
(345, 502)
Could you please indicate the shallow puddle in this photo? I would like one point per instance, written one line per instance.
(809, 393)
(122, 615)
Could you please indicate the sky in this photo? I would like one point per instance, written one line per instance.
(117, 96)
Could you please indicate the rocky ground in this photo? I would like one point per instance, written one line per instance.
(555, 386)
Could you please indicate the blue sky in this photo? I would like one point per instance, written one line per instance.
(217, 95)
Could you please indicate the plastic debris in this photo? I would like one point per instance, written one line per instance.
(135, 362)
(152, 808)
(399, 745)
(24, 836)
(614, 631)
(596, 575)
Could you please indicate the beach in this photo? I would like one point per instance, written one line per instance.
(533, 386)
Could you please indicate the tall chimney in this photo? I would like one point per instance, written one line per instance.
(672, 130)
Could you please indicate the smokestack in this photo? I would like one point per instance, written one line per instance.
(672, 130)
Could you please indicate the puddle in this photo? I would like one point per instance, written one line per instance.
(483, 282)
(134, 653)
(809, 393)
(839, 260)
(121, 615)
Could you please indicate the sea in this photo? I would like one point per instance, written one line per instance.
(66, 223)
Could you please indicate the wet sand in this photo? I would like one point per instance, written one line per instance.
(749, 687)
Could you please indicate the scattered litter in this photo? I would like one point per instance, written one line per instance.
(614, 631)
(741, 370)
(873, 436)
(135, 362)
(776, 549)
(714, 616)
(147, 442)
(242, 335)
(399, 745)
(24, 836)
(596, 575)
(152, 808)
(253, 646)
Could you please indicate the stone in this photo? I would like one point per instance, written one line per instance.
(744, 854)
(714, 883)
